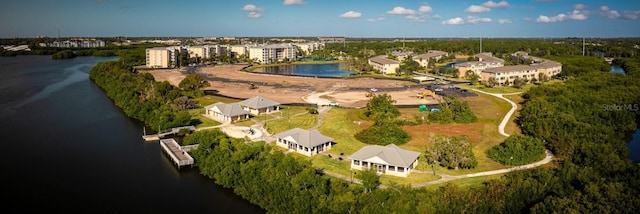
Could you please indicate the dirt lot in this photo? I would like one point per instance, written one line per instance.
(228, 80)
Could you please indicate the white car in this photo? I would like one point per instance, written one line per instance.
(374, 89)
(438, 89)
(334, 104)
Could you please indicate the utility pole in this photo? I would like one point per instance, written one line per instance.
(582, 46)
(480, 42)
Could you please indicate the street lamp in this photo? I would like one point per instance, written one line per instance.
(433, 167)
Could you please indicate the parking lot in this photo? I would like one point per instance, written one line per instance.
(444, 90)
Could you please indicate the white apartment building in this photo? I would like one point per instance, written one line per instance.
(308, 48)
(272, 53)
(485, 61)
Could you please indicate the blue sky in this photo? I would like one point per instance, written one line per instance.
(292, 18)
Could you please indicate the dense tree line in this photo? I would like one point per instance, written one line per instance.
(518, 150)
(65, 54)
(139, 95)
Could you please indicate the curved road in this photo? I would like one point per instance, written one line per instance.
(505, 120)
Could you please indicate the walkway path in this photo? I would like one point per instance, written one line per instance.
(505, 120)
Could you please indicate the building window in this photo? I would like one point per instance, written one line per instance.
(400, 169)
(356, 162)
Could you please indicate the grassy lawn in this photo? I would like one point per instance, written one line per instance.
(202, 121)
(512, 127)
(339, 124)
(209, 99)
(245, 123)
(498, 90)
(466, 183)
(413, 178)
(304, 121)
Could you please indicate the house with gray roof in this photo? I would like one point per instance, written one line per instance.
(224, 113)
(259, 105)
(390, 160)
(306, 142)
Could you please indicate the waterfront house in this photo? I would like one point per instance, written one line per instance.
(259, 105)
(306, 142)
(224, 113)
(390, 160)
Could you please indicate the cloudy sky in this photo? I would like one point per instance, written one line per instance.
(350, 18)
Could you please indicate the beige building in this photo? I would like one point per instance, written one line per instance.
(160, 57)
(198, 51)
(390, 160)
(384, 65)
(423, 59)
(238, 50)
(272, 53)
(508, 74)
(485, 61)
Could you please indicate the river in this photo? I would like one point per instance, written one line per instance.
(66, 147)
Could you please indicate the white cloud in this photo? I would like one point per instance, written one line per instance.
(425, 9)
(579, 13)
(436, 17)
(251, 8)
(416, 18)
(293, 2)
(504, 21)
(401, 11)
(477, 9)
(379, 19)
(254, 15)
(467, 20)
(493, 4)
(254, 11)
(632, 15)
(351, 14)
(579, 7)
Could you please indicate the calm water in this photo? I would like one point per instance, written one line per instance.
(616, 69)
(321, 70)
(634, 146)
(67, 147)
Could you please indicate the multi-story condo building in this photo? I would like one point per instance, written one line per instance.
(423, 59)
(384, 65)
(272, 53)
(485, 61)
(163, 57)
(238, 50)
(508, 74)
(307, 48)
(85, 43)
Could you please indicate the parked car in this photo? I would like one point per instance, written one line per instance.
(333, 103)
(374, 89)
(438, 89)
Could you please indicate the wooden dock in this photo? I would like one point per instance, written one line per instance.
(178, 156)
(172, 131)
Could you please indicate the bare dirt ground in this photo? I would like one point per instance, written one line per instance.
(228, 80)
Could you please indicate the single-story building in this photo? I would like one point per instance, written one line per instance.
(259, 105)
(306, 142)
(223, 112)
(390, 159)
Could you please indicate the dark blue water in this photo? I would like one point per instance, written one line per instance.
(634, 146)
(66, 147)
(320, 70)
(450, 65)
(616, 69)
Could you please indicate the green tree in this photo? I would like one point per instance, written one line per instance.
(193, 82)
(518, 150)
(380, 108)
(452, 152)
(370, 179)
